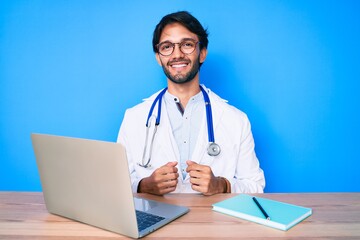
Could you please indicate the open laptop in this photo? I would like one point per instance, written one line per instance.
(89, 181)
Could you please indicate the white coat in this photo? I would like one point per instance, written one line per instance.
(237, 161)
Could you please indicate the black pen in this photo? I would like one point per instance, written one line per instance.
(261, 208)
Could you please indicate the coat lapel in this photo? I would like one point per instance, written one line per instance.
(167, 141)
(200, 151)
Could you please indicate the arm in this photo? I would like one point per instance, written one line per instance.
(249, 177)
(162, 180)
(123, 139)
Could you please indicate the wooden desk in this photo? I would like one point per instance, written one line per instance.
(335, 216)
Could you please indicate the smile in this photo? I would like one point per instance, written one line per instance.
(179, 64)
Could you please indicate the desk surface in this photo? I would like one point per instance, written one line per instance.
(23, 215)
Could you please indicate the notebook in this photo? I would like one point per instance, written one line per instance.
(282, 215)
(88, 181)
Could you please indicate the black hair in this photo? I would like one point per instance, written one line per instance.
(188, 21)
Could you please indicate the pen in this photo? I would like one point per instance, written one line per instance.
(261, 208)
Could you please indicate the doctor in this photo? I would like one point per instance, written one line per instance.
(185, 138)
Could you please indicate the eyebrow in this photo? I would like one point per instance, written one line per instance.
(184, 39)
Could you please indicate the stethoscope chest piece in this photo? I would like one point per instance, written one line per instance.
(213, 149)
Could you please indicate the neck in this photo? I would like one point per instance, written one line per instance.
(184, 91)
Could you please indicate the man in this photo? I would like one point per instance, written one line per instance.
(176, 156)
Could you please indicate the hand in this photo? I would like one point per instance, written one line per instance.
(203, 180)
(163, 180)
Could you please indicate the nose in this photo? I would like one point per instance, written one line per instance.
(177, 52)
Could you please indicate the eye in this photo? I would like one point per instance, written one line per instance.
(166, 46)
(188, 44)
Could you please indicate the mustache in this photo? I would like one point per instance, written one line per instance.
(179, 60)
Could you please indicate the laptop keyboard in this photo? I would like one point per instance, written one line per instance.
(146, 220)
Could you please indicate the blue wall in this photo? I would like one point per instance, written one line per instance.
(73, 67)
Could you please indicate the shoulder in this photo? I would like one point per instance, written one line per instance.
(232, 121)
(143, 106)
(233, 112)
(136, 116)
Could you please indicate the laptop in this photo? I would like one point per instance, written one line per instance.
(89, 181)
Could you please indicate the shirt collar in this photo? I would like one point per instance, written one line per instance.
(169, 98)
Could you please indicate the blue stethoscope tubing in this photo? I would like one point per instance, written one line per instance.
(208, 115)
(213, 148)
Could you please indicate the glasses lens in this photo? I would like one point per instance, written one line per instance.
(166, 48)
(187, 46)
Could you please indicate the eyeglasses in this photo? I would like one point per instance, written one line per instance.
(186, 46)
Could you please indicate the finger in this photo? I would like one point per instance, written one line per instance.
(195, 181)
(189, 162)
(195, 174)
(166, 190)
(167, 187)
(171, 167)
(201, 186)
(171, 164)
(197, 188)
(196, 170)
(162, 191)
(192, 166)
(204, 169)
(168, 184)
(170, 176)
(163, 177)
(167, 168)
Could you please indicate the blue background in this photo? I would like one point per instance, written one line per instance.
(73, 67)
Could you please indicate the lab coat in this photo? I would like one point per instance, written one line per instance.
(237, 161)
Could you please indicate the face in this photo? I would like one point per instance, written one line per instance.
(179, 67)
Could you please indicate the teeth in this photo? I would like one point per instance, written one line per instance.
(179, 65)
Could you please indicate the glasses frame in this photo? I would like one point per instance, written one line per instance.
(173, 45)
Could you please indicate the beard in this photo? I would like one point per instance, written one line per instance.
(182, 78)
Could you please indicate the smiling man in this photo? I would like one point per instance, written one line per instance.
(181, 154)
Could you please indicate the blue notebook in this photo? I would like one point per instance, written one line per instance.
(282, 215)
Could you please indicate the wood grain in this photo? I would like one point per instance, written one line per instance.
(23, 215)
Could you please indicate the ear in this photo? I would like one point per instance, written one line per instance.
(158, 59)
(203, 54)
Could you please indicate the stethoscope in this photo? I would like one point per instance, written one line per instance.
(213, 148)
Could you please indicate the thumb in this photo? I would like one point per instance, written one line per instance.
(190, 165)
(171, 164)
(189, 162)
